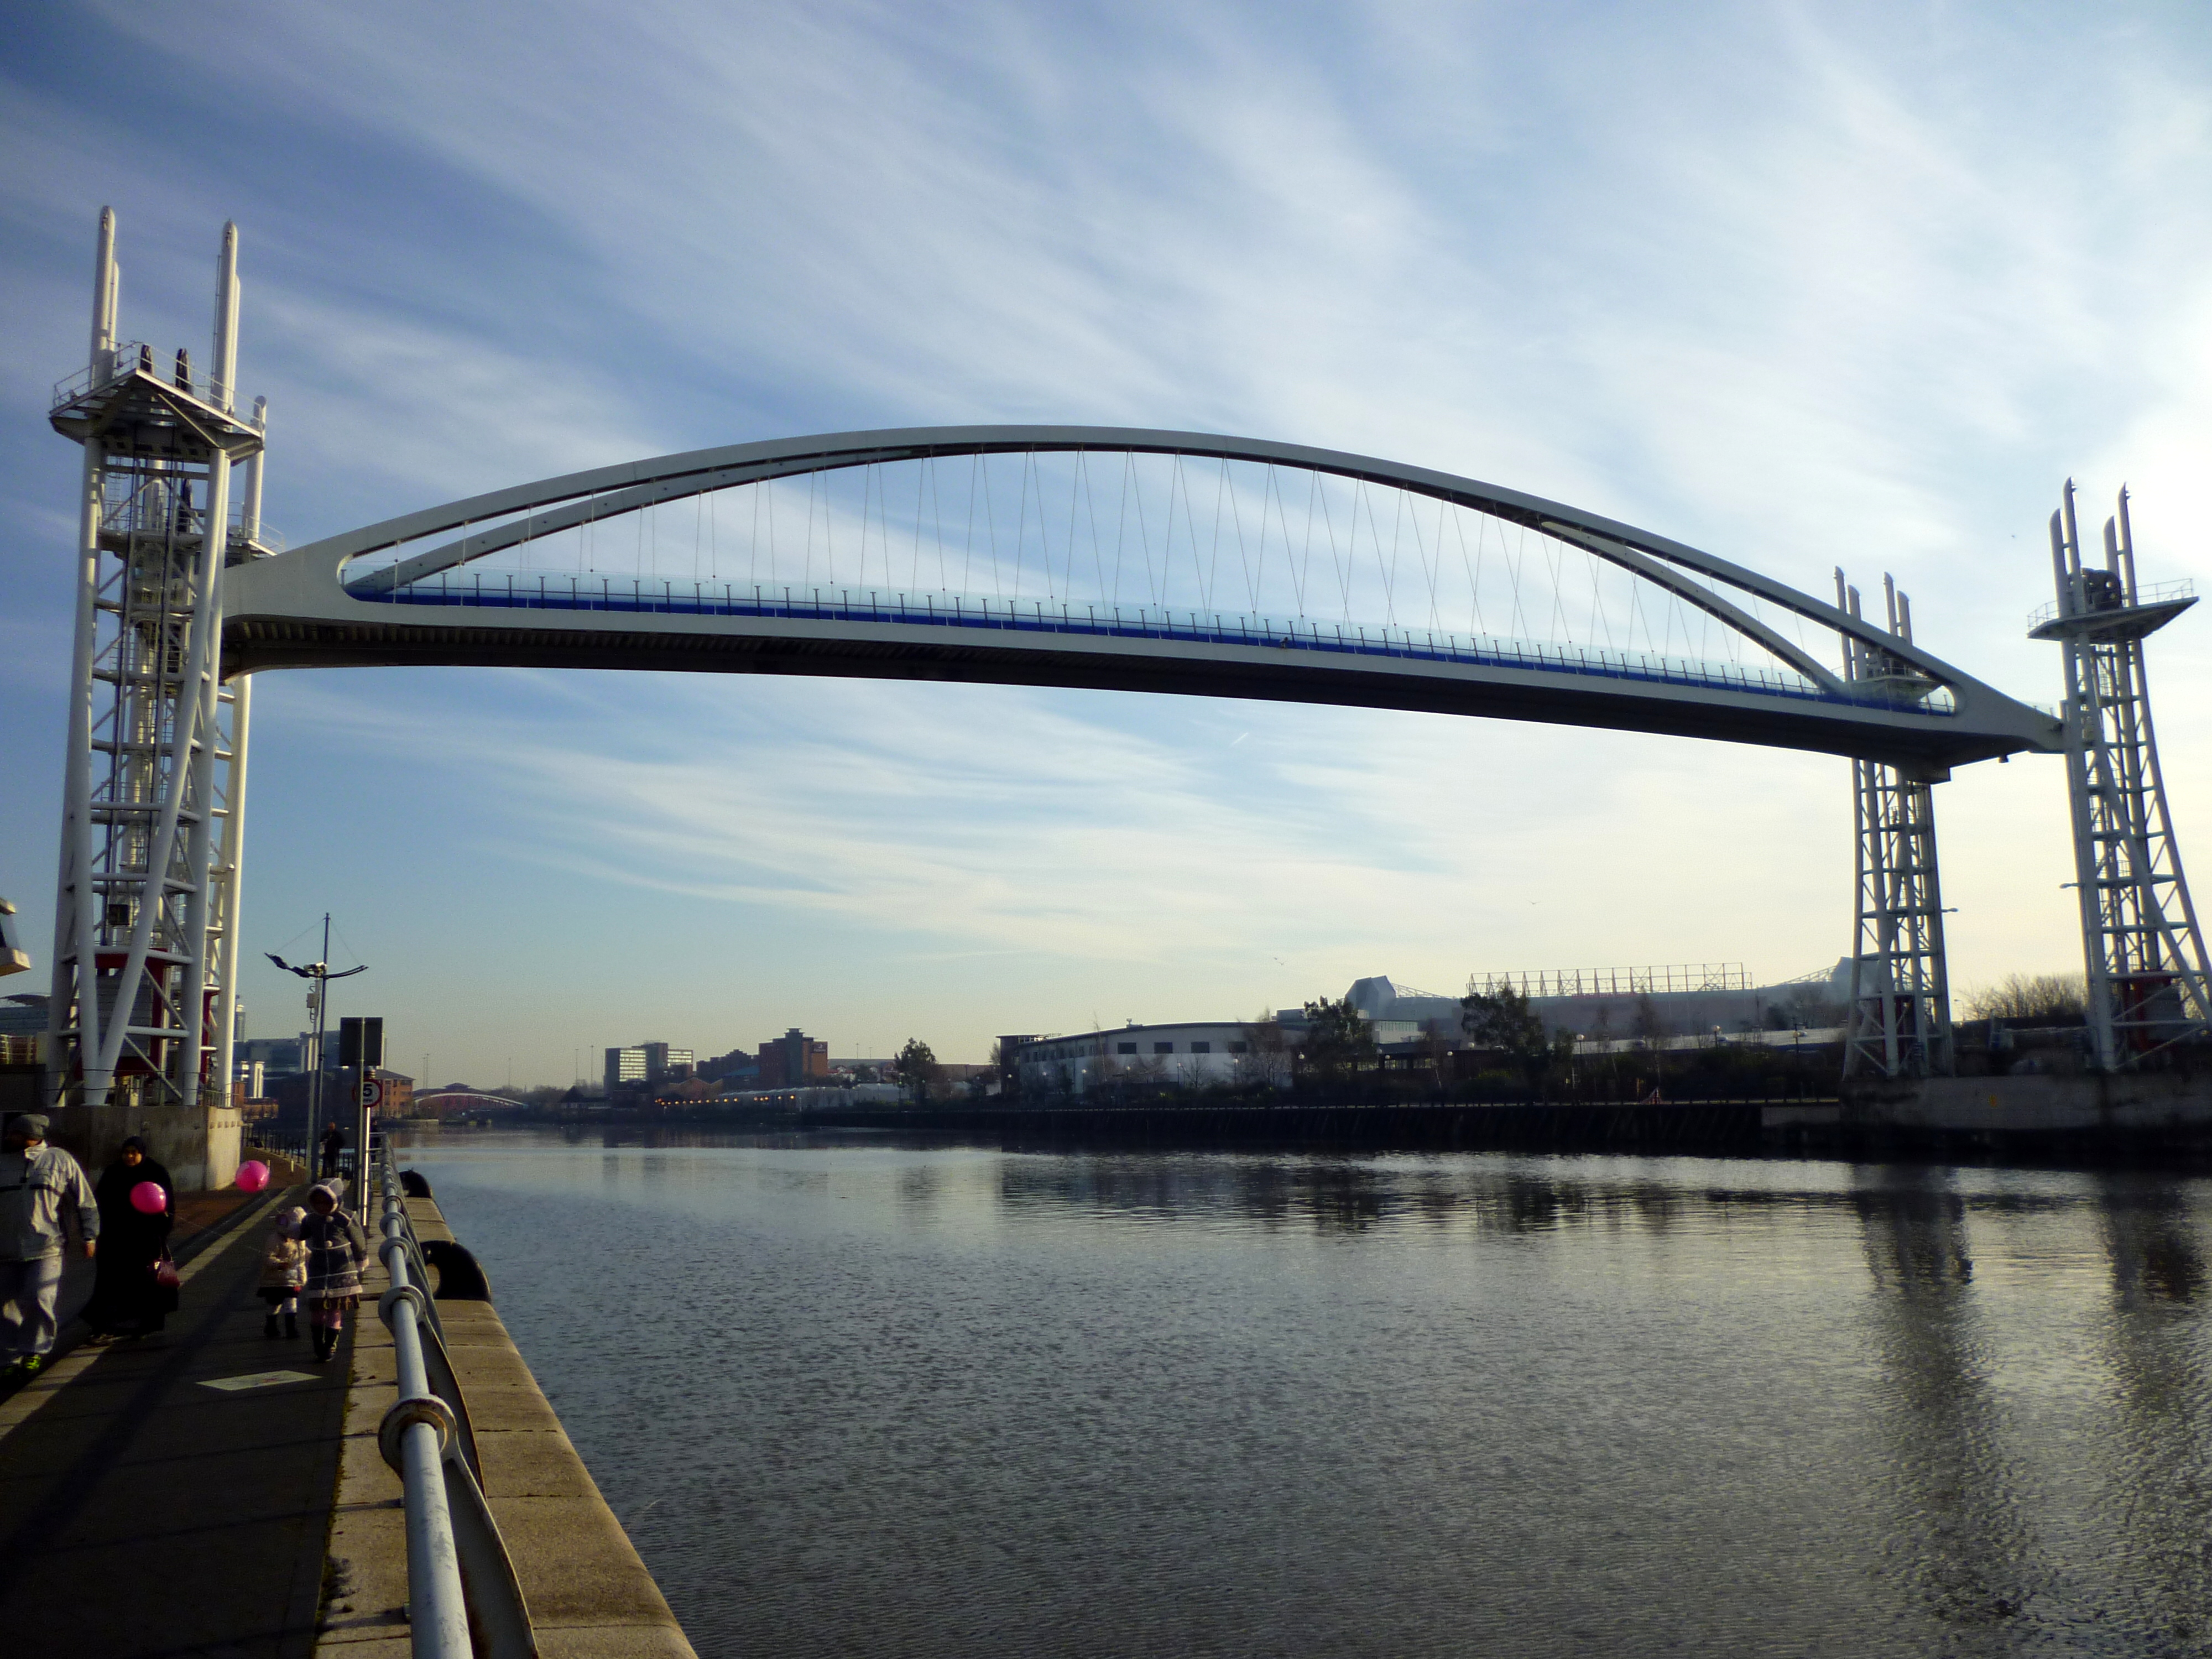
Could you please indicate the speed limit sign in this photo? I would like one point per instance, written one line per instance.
(371, 1092)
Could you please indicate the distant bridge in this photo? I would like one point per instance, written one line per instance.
(466, 1100)
(1337, 606)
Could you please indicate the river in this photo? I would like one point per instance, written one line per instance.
(853, 1397)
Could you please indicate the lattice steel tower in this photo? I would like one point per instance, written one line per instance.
(2144, 953)
(145, 926)
(1900, 1017)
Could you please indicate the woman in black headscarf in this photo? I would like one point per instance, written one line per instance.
(127, 1299)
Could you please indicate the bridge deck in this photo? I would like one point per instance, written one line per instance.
(1382, 669)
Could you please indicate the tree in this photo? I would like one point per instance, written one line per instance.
(1503, 1021)
(1266, 1058)
(916, 1070)
(2031, 997)
(1338, 1039)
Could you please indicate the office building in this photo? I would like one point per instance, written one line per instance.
(646, 1063)
(791, 1059)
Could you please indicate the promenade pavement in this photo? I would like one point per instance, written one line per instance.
(171, 1499)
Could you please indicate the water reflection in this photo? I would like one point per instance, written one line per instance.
(1957, 1536)
(2156, 1443)
(918, 1193)
(2152, 1238)
(1915, 1230)
(1356, 1196)
(947, 1400)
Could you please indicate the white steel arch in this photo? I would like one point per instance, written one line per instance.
(301, 609)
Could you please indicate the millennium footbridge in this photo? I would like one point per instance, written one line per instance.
(1112, 558)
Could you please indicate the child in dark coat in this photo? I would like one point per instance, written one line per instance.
(336, 1254)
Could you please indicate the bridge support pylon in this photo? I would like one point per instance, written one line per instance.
(2149, 983)
(1900, 995)
(146, 913)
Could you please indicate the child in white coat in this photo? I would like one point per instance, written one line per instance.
(283, 1272)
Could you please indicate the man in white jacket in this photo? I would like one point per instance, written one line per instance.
(38, 1184)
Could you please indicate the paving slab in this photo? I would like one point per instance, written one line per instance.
(531, 1463)
(612, 1642)
(144, 1513)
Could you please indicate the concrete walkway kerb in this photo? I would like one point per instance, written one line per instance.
(590, 1595)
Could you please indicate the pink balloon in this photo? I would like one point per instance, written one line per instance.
(253, 1176)
(148, 1196)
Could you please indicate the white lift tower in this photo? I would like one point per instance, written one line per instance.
(2149, 978)
(1900, 1017)
(146, 926)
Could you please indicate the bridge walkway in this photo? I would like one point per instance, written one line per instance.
(147, 1513)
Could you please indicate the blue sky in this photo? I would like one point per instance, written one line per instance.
(1801, 285)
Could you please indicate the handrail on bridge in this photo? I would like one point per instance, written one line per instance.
(528, 590)
(463, 1600)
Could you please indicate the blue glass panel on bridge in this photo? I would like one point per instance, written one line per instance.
(510, 590)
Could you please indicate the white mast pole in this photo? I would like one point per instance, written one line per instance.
(76, 909)
(232, 874)
(104, 294)
(2065, 563)
(197, 765)
(233, 833)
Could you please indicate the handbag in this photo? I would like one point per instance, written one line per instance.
(164, 1296)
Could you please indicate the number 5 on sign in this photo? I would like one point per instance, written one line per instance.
(371, 1092)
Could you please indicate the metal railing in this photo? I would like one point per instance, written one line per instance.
(128, 357)
(2148, 593)
(156, 506)
(1667, 979)
(261, 1138)
(296, 1147)
(463, 1600)
(553, 591)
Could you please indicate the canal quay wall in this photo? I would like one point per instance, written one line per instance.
(589, 1595)
(2076, 1119)
(2088, 1114)
(1412, 1128)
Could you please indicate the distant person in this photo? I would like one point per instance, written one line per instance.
(39, 1184)
(127, 1299)
(283, 1272)
(336, 1254)
(334, 1140)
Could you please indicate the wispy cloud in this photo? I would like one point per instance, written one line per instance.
(981, 818)
(1805, 285)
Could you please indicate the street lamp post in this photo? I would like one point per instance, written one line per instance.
(319, 976)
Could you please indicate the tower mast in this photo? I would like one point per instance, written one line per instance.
(2149, 983)
(1900, 1016)
(145, 924)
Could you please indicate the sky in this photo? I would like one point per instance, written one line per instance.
(1799, 285)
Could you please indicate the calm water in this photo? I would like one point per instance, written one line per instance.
(852, 1398)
